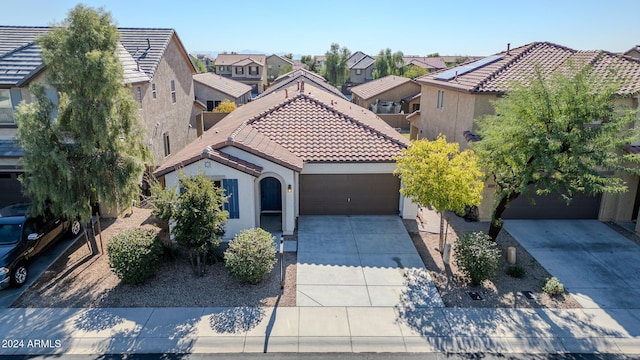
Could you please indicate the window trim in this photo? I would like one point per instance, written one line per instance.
(440, 100)
(10, 110)
(239, 70)
(167, 143)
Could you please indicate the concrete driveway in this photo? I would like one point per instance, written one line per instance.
(597, 265)
(360, 261)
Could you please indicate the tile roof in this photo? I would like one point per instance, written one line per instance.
(240, 59)
(305, 127)
(308, 77)
(355, 57)
(519, 65)
(20, 54)
(283, 58)
(223, 84)
(363, 63)
(425, 62)
(376, 87)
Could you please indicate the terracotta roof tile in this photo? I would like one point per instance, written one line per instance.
(519, 65)
(240, 59)
(223, 84)
(314, 126)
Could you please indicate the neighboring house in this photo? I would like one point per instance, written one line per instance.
(430, 64)
(277, 65)
(633, 52)
(293, 153)
(156, 67)
(246, 68)
(385, 95)
(207, 60)
(319, 61)
(211, 89)
(360, 67)
(301, 76)
(456, 60)
(452, 99)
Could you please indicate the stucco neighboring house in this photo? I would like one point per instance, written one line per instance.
(246, 68)
(454, 98)
(211, 89)
(278, 65)
(360, 68)
(157, 69)
(293, 153)
(430, 64)
(633, 52)
(319, 61)
(301, 76)
(385, 95)
(207, 60)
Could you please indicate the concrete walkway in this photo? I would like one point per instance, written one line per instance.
(360, 261)
(318, 329)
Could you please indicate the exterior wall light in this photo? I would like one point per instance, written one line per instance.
(289, 188)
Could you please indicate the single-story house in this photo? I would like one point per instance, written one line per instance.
(211, 89)
(300, 76)
(297, 152)
(391, 89)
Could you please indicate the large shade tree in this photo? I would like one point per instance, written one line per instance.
(388, 63)
(560, 135)
(335, 64)
(89, 147)
(437, 174)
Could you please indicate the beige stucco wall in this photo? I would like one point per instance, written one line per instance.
(276, 67)
(161, 115)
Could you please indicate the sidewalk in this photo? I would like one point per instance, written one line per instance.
(318, 329)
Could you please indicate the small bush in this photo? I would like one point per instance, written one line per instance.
(516, 271)
(134, 254)
(477, 256)
(251, 255)
(553, 287)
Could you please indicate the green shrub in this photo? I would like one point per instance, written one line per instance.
(133, 255)
(516, 271)
(251, 255)
(477, 256)
(553, 287)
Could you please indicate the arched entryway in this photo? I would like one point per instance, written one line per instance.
(271, 204)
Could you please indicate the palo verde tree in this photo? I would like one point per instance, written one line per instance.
(199, 218)
(335, 65)
(556, 136)
(435, 173)
(89, 148)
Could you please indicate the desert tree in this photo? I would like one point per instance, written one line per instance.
(335, 64)
(87, 147)
(437, 174)
(559, 135)
(199, 218)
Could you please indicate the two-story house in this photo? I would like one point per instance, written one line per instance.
(360, 68)
(454, 98)
(157, 69)
(278, 65)
(430, 64)
(246, 68)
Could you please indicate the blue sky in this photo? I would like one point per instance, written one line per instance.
(414, 27)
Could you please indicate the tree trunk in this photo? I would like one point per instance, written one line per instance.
(442, 241)
(496, 218)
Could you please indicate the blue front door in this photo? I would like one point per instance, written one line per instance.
(270, 195)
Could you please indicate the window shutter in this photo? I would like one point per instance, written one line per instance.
(230, 187)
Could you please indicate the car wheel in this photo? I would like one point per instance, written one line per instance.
(19, 275)
(75, 228)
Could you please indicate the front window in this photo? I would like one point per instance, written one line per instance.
(6, 109)
(254, 70)
(358, 71)
(154, 93)
(239, 70)
(167, 144)
(10, 233)
(440, 101)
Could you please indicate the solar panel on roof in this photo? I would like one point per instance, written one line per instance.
(463, 69)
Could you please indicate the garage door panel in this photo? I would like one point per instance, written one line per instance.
(354, 194)
(552, 207)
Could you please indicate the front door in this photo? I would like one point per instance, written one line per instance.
(270, 195)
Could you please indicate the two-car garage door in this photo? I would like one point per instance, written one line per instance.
(349, 194)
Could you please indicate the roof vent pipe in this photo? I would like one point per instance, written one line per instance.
(286, 93)
(508, 48)
(456, 77)
(298, 85)
(301, 86)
